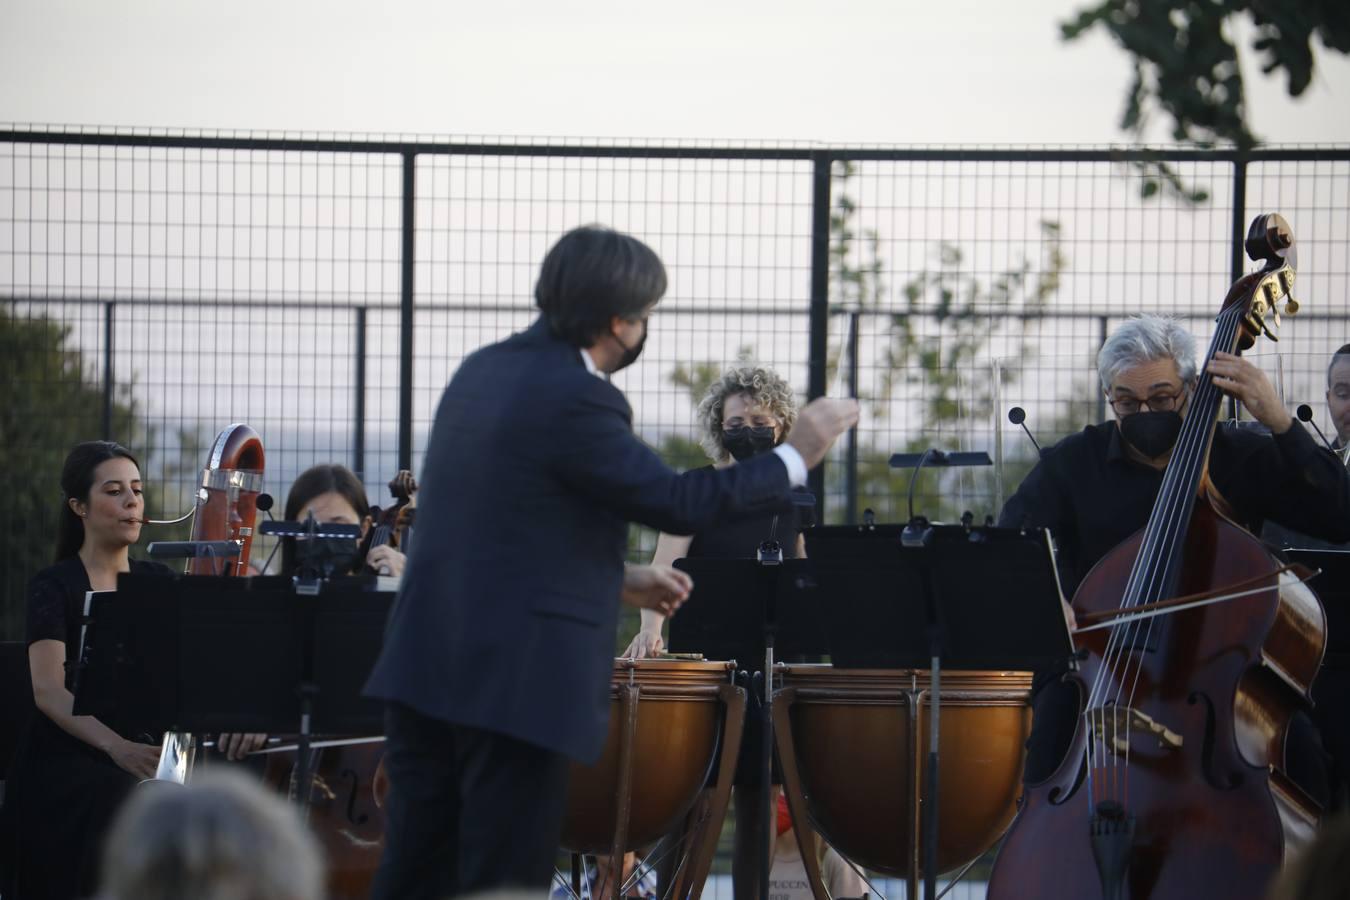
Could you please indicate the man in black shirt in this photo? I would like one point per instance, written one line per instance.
(1096, 488)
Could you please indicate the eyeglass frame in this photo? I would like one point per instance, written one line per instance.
(1174, 402)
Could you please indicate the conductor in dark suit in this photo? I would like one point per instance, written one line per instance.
(498, 654)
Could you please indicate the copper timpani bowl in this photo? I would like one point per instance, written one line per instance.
(859, 739)
(678, 711)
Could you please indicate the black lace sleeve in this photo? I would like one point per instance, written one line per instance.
(47, 609)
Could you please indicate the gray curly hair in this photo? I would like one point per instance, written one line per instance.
(765, 388)
(1145, 339)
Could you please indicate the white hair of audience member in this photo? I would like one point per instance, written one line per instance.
(222, 836)
(1145, 339)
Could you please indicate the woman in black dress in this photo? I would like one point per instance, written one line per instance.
(70, 773)
(747, 411)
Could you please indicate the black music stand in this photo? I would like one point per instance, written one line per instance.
(163, 654)
(924, 595)
(746, 609)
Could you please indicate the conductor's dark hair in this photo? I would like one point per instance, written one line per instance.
(77, 479)
(1343, 353)
(326, 478)
(591, 275)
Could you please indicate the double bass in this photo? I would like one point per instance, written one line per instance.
(1176, 784)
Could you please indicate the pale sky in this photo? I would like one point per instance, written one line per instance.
(888, 71)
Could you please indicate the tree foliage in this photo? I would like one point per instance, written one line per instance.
(50, 400)
(1186, 63)
(935, 347)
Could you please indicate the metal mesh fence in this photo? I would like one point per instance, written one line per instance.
(155, 288)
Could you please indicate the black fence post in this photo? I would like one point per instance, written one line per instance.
(820, 302)
(108, 370)
(405, 324)
(359, 414)
(1102, 323)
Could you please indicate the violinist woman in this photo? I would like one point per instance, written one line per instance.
(70, 773)
(748, 411)
(336, 496)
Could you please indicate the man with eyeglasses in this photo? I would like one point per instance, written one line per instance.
(1095, 488)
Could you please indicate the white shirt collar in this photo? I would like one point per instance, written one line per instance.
(590, 363)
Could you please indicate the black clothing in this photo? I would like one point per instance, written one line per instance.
(506, 618)
(1092, 495)
(498, 627)
(60, 793)
(741, 539)
(468, 810)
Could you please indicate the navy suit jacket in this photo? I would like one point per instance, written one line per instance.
(507, 615)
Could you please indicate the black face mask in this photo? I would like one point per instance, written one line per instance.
(744, 442)
(630, 354)
(1151, 433)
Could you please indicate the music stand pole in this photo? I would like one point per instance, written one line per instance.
(770, 555)
(930, 813)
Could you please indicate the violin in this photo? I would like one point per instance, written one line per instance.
(393, 525)
(1204, 648)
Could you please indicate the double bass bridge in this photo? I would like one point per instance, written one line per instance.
(1114, 725)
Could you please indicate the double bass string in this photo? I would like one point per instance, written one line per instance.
(1148, 576)
(1151, 569)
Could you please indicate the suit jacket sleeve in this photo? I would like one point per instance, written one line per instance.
(596, 453)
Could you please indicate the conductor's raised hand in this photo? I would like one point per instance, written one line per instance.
(819, 424)
(659, 588)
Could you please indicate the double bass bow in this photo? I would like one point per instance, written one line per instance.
(1176, 784)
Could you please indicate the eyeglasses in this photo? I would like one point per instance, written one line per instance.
(1126, 406)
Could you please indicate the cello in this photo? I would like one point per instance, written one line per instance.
(344, 804)
(1204, 647)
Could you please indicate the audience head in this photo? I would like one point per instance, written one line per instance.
(220, 837)
(1321, 871)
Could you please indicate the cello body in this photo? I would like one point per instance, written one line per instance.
(1217, 815)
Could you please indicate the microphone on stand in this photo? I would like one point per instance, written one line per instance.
(1018, 416)
(265, 502)
(1305, 414)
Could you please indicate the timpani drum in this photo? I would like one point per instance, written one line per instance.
(855, 744)
(669, 720)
